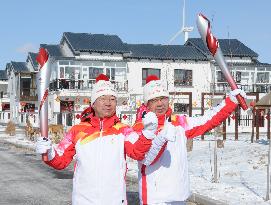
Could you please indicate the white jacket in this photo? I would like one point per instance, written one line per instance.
(99, 148)
(163, 177)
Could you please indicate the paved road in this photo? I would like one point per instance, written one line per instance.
(25, 180)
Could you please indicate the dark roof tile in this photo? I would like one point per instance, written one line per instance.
(19, 66)
(54, 50)
(175, 52)
(3, 75)
(229, 47)
(95, 42)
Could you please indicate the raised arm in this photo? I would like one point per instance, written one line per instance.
(195, 126)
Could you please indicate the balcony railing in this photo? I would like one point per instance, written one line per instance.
(28, 94)
(61, 84)
(224, 87)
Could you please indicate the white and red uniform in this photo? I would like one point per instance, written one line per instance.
(163, 178)
(99, 147)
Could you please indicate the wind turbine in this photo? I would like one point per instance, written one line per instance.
(184, 28)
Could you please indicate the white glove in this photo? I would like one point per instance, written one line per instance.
(236, 92)
(168, 132)
(150, 122)
(43, 146)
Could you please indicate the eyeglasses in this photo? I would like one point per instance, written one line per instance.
(162, 99)
(107, 99)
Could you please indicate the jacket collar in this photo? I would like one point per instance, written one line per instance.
(162, 118)
(104, 123)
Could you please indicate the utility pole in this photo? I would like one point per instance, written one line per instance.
(268, 173)
(215, 177)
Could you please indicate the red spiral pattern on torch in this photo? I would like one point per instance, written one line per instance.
(43, 99)
(42, 58)
(211, 41)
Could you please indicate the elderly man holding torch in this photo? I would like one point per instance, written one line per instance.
(163, 174)
(99, 145)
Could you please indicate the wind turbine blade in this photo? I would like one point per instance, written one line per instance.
(175, 36)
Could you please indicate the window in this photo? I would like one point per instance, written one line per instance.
(120, 74)
(25, 86)
(5, 106)
(220, 77)
(63, 62)
(252, 74)
(181, 107)
(29, 107)
(69, 118)
(110, 72)
(59, 118)
(94, 72)
(182, 77)
(70, 73)
(149, 71)
(61, 72)
(238, 76)
(66, 106)
(262, 78)
(77, 73)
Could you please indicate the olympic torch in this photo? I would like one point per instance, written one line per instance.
(43, 80)
(212, 44)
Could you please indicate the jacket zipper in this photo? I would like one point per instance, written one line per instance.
(100, 156)
(101, 126)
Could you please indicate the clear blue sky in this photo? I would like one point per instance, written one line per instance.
(26, 24)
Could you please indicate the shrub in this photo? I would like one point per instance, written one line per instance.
(10, 129)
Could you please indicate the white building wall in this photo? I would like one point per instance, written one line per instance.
(238, 60)
(66, 50)
(134, 74)
(201, 74)
(201, 78)
(99, 56)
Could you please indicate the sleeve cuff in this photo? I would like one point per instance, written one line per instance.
(149, 135)
(51, 154)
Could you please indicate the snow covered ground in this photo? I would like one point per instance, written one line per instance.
(242, 168)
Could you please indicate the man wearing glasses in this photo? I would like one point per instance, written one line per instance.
(99, 145)
(163, 174)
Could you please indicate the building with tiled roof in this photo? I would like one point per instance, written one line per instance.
(187, 70)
